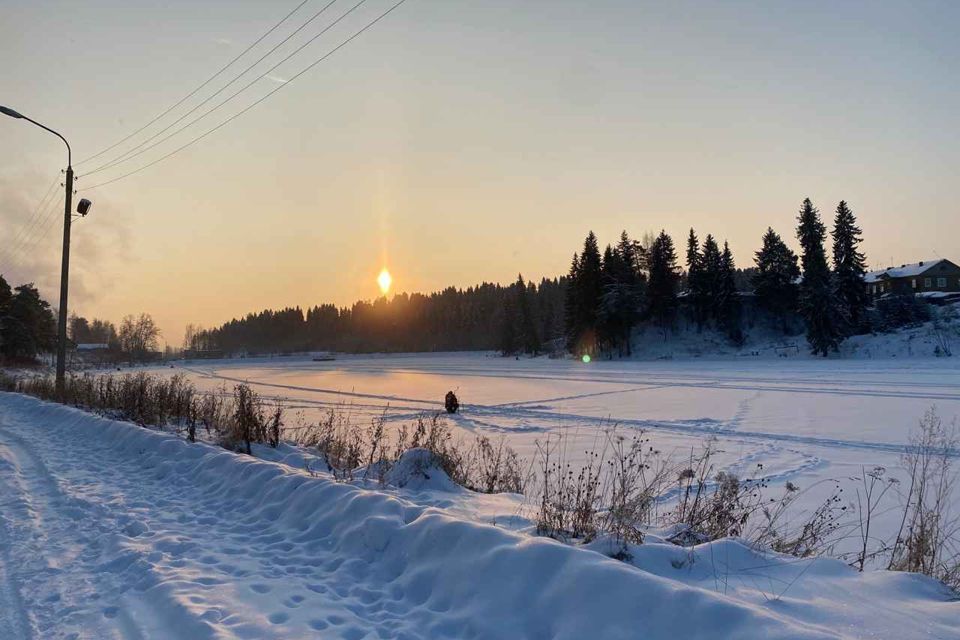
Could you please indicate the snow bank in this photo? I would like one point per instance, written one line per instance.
(419, 470)
(400, 570)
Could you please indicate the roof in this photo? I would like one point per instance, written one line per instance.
(903, 271)
(92, 346)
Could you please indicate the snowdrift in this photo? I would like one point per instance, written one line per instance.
(241, 547)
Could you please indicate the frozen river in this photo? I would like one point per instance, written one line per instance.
(801, 418)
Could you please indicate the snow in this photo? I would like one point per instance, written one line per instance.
(811, 421)
(109, 530)
(903, 271)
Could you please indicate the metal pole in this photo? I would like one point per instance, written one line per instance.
(65, 266)
(64, 283)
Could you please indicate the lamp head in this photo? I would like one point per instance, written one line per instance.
(10, 112)
(83, 207)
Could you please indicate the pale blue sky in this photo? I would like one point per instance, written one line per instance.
(471, 140)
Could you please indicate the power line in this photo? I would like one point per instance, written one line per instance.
(36, 212)
(38, 231)
(202, 85)
(134, 152)
(31, 221)
(247, 108)
(41, 227)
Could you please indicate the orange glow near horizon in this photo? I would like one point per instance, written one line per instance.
(384, 280)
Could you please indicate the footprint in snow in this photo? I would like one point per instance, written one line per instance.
(278, 618)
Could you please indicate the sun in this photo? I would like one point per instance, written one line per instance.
(384, 280)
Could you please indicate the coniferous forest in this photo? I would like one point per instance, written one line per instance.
(595, 308)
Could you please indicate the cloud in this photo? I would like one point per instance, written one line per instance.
(223, 42)
(31, 251)
(277, 79)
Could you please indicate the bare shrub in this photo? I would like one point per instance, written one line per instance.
(492, 468)
(928, 541)
(874, 485)
(814, 535)
(569, 499)
(713, 504)
(638, 476)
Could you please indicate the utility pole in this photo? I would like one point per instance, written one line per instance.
(83, 209)
(64, 279)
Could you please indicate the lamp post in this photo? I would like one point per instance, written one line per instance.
(65, 264)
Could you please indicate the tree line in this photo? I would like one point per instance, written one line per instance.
(28, 328)
(475, 318)
(597, 306)
(27, 325)
(610, 293)
(137, 338)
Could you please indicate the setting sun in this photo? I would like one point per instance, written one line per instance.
(384, 280)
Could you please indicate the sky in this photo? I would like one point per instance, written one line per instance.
(457, 142)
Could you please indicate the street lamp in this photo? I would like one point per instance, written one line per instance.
(65, 264)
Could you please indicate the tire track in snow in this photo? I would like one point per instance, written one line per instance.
(14, 624)
(72, 562)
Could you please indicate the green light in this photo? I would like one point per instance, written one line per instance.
(586, 358)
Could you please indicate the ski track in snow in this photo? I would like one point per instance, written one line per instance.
(704, 427)
(839, 386)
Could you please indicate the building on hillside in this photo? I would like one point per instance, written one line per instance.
(927, 278)
(89, 354)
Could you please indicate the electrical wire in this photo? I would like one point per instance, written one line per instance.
(140, 149)
(202, 85)
(247, 108)
(38, 232)
(31, 221)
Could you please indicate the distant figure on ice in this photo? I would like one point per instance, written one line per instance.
(451, 403)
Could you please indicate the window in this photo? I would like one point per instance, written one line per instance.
(927, 283)
(941, 283)
(913, 283)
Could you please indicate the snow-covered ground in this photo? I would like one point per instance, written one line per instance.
(108, 530)
(805, 420)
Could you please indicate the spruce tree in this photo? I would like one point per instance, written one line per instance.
(849, 270)
(528, 338)
(775, 282)
(530, 320)
(711, 277)
(608, 316)
(816, 293)
(695, 291)
(29, 327)
(509, 340)
(583, 298)
(631, 286)
(571, 305)
(662, 287)
(590, 290)
(728, 297)
(6, 295)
